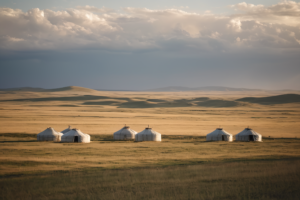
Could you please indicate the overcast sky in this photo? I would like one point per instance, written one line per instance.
(134, 45)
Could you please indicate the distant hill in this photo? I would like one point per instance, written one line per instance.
(163, 89)
(25, 89)
(72, 88)
(68, 88)
(207, 88)
(279, 99)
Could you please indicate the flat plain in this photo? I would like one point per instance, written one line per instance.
(182, 158)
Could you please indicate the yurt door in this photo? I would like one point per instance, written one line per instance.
(76, 139)
(223, 137)
(251, 137)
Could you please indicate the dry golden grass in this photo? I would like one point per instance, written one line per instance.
(25, 155)
(279, 120)
(261, 180)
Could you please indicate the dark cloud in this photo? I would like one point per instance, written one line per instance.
(143, 48)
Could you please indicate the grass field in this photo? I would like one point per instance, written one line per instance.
(23, 155)
(233, 180)
(182, 166)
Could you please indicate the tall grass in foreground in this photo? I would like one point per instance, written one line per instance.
(237, 180)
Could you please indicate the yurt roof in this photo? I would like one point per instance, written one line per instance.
(75, 132)
(125, 129)
(248, 131)
(219, 131)
(49, 131)
(149, 130)
(67, 129)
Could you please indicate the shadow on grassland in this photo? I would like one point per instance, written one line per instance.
(146, 104)
(130, 103)
(203, 102)
(279, 99)
(220, 103)
(101, 102)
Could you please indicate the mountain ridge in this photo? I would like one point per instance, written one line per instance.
(204, 88)
(162, 89)
(61, 89)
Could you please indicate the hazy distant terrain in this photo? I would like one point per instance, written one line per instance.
(140, 102)
(207, 88)
(31, 89)
(212, 88)
(162, 89)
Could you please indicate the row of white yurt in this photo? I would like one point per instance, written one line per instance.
(72, 135)
(49, 135)
(246, 135)
(128, 134)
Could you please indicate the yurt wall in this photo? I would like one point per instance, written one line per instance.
(148, 135)
(219, 135)
(248, 135)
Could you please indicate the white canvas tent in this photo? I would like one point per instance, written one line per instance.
(148, 135)
(66, 130)
(248, 135)
(75, 135)
(49, 135)
(219, 135)
(125, 134)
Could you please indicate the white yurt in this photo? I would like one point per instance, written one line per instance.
(248, 135)
(66, 130)
(125, 134)
(219, 135)
(148, 135)
(49, 135)
(75, 135)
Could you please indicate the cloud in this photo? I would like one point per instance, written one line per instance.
(276, 27)
(95, 9)
(285, 12)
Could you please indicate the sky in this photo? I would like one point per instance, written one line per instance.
(137, 45)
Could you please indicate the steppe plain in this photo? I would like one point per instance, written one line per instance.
(182, 166)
